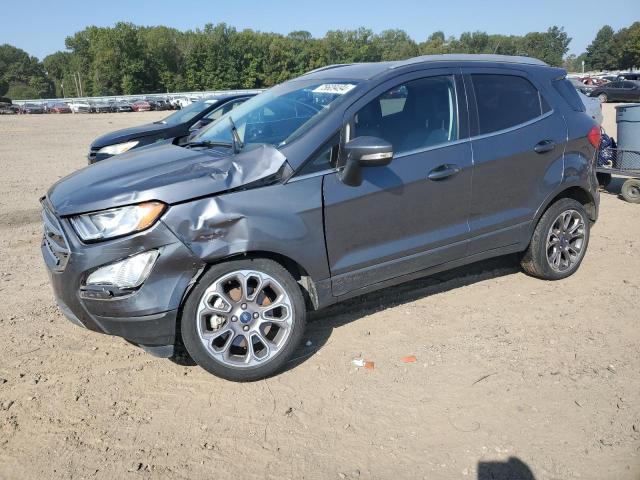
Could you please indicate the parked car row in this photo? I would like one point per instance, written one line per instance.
(102, 106)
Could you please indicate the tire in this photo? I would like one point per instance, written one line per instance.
(547, 245)
(631, 190)
(604, 179)
(603, 98)
(253, 338)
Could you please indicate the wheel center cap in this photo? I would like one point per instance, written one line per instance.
(245, 317)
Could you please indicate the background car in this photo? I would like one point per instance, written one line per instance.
(60, 108)
(593, 106)
(31, 108)
(580, 86)
(102, 107)
(122, 106)
(80, 106)
(178, 125)
(628, 76)
(162, 104)
(141, 106)
(618, 91)
(7, 107)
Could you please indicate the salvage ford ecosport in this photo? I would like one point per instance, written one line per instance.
(347, 179)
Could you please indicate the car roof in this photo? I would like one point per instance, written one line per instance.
(366, 71)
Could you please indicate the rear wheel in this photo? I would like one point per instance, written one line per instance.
(559, 241)
(244, 319)
(631, 190)
(603, 98)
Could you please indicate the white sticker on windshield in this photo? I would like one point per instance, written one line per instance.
(334, 88)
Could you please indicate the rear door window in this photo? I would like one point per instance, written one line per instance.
(505, 101)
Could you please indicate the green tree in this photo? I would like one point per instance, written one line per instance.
(626, 47)
(395, 45)
(550, 46)
(22, 76)
(600, 55)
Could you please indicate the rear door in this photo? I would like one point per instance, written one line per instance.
(400, 220)
(517, 142)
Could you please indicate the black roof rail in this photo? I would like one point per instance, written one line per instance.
(464, 57)
(327, 67)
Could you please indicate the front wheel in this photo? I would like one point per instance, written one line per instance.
(244, 319)
(559, 241)
(603, 98)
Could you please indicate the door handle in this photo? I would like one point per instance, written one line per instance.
(443, 171)
(544, 146)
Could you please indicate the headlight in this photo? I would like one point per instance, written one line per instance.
(118, 148)
(128, 273)
(117, 221)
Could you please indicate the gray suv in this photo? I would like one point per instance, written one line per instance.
(345, 180)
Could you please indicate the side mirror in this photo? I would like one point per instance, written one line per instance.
(364, 152)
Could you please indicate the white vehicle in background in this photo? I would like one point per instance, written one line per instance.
(593, 106)
(80, 107)
(181, 102)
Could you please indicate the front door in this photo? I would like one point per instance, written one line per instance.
(411, 214)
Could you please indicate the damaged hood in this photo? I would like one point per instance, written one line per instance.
(167, 173)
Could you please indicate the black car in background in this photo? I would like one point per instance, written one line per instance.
(618, 91)
(31, 108)
(122, 106)
(178, 124)
(629, 76)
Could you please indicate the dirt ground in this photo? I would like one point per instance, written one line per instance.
(515, 378)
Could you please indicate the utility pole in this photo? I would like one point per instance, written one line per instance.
(75, 81)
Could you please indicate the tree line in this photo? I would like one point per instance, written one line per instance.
(131, 59)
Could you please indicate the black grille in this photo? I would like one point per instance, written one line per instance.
(53, 240)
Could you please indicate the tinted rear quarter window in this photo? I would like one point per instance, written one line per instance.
(566, 89)
(505, 101)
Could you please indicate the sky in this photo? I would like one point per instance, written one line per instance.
(40, 26)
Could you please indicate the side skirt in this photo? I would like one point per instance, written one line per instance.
(324, 291)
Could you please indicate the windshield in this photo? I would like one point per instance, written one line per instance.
(278, 115)
(187, 113)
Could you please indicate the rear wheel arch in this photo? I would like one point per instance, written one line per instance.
(575, 192)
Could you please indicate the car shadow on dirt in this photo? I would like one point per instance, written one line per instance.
(512, 469)
(320, 325)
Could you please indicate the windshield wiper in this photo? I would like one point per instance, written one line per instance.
(209, 144)
(237, 142)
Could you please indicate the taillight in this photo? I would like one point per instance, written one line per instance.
(594, 136)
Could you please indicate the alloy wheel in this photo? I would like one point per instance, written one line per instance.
(566, 241)
(244, 318)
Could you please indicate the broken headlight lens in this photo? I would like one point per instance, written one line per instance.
(117, 222)
(128, 273)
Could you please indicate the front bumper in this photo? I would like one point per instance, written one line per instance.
(145, 316)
